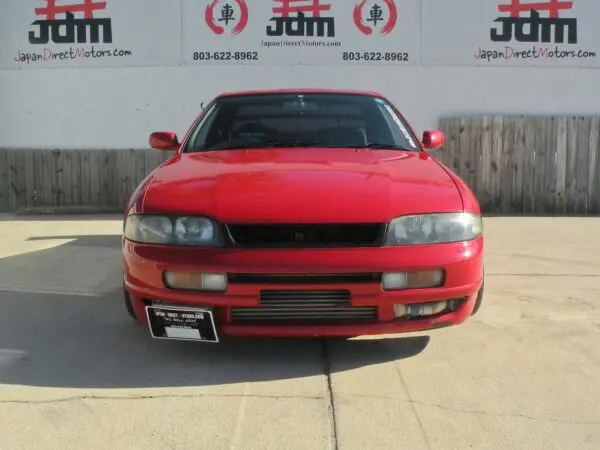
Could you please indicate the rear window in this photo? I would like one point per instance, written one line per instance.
(318, 120)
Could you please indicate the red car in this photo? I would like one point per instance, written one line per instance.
(301, 213)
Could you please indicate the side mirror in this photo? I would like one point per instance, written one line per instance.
(164, 140)
(434, 139)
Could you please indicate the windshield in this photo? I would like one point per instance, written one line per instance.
(300, 120)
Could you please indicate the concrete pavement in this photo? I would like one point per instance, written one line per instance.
(75, 372)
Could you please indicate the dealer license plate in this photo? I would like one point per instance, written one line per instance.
(181, 323)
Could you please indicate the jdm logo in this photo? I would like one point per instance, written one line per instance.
(301, 24)
(70, 30)
(377, 16)
(231, 14)
(535, 28)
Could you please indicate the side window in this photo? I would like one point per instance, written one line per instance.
(198, 136)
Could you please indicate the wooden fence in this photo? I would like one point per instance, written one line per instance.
(515, 165)
(527, 165)
(102, 179)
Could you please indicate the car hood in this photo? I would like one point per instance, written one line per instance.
(302, 185)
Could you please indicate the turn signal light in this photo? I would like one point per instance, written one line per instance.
(195, 281)
(396, 281)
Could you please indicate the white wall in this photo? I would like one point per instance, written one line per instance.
(118, 108)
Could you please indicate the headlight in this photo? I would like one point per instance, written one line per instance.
(434, 228)
(186, 231)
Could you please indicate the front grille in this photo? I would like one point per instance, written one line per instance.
(307, 235)
(292, 278)
(297, 307)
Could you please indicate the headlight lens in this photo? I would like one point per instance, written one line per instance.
(434, 228)
(186, 231)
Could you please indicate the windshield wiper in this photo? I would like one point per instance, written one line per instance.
(271, 143)
(289, 143)
(266, 143)
(377, 145)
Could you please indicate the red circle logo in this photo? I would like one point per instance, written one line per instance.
(226, 16)
(376, 17)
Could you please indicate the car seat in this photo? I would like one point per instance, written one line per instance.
(344, 137)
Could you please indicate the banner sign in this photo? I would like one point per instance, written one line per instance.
(88, 33)
(511, 32)
(289, 32)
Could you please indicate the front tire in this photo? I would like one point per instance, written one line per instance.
(479, 300)
(128, 304)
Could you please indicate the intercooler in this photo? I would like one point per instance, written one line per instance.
(296, 307)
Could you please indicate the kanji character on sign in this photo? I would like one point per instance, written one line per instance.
(227, 14)
(314, 7)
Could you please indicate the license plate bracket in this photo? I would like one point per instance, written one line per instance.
(182, 323)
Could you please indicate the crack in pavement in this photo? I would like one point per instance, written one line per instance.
(499, 414)
(304, 397)
(330, 396)
(159, 396)
(476, 411)
(237, 431)
(394, 362)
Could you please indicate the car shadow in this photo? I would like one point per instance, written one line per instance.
(107, 241)
(87, 340)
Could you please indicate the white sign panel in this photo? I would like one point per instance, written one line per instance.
(511, 32)
(288, 32)
(89, 33)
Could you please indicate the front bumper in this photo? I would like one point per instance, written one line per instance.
(462, 263)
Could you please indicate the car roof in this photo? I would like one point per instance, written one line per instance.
(301, 91)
